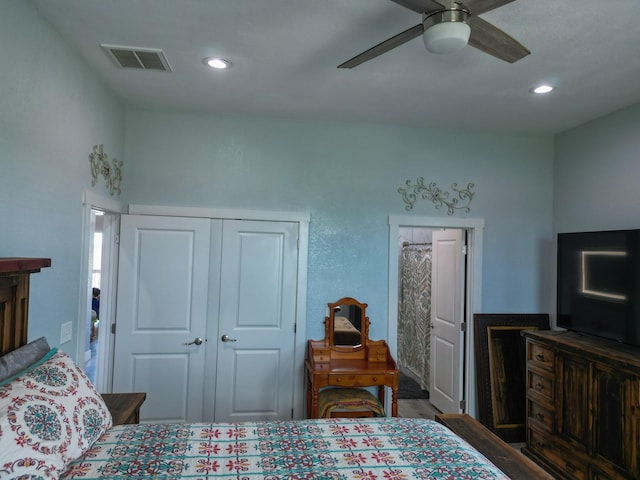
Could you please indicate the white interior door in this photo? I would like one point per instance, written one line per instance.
(256, 336)
(447, 313)
(162, 307)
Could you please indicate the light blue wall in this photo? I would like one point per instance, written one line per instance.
(347, 177)
(597, 169)
(52, 111)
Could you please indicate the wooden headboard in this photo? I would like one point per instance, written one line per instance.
(14, 299)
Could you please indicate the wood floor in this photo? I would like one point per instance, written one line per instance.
(420, 408)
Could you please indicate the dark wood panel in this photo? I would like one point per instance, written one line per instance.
(14, 299)
(501, 370)
(23, 264)
(574, 396)
(124, 407)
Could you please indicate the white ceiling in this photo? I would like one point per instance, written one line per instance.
(285, 54)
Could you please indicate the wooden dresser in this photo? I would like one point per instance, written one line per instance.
(583, 406)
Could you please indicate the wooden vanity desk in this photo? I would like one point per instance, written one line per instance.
(361, 363)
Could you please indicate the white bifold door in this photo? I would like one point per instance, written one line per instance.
(206, 316)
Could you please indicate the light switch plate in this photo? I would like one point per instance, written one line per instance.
(66, 332)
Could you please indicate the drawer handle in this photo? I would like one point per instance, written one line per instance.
(539, 387)
(571, 467)
(539, 416)
(540, 356)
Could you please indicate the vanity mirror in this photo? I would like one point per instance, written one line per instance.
(347, 324)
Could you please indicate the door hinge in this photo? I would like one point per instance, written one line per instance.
(463, 405)
(464, 249)
(291, 412)
(117, 239)
(113, 328)
(295, 328)
(463, 327)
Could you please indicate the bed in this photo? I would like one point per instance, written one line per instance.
(53, 424)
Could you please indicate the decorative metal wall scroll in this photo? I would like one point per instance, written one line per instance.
(100, 165)
(438, 196)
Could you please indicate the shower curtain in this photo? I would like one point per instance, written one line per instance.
(414, 316)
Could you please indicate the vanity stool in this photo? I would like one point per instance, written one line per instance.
(348, 403)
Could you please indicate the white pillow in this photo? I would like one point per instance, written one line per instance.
(49, 415)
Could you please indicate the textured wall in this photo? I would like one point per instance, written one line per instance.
(52, 111)
(596, 174)
(347, 177)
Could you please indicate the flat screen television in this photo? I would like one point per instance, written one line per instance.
(599, 284)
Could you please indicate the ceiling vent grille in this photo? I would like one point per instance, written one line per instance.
(138, 58)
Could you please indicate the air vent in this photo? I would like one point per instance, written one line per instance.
(139, 58)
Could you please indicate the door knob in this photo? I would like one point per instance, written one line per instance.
(196, 341)
(225, 338)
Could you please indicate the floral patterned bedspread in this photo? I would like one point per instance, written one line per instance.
(363, 449)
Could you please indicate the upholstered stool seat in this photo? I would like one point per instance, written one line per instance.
(348, 402)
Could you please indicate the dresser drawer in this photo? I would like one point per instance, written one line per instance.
(321, 355)
(540, 356)
(540, 385)
(560, 456)
(356, 380)
(377, 353)
(543, 416)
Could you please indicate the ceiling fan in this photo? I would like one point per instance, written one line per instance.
(447, 26)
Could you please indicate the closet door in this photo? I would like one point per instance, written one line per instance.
(163, 283)
(256, 336)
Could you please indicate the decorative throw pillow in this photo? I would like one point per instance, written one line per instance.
(22, 358)
(49, 415)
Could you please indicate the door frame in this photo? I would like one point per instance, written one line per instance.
(113, 209)
(302, 219)
(473, 284)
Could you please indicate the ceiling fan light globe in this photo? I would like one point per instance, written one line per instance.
(446, 37)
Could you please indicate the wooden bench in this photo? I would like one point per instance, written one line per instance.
(513, 463)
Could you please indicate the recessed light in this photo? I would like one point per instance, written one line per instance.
(542, 89)
(217, 63)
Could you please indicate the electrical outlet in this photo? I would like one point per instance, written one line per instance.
(66, 332)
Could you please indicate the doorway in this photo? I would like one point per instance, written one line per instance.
(92, 331)
(101, 221)
(414, 322)
(414, 304)
(471, 287)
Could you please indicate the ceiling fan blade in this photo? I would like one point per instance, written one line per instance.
(384, 47)
(478, 7)
(495, 42)
(420, 6)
